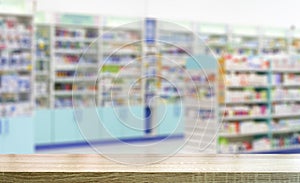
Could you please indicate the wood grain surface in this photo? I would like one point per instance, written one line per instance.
(179, 168)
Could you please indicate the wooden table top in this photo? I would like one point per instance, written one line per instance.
(179, 168)
(177, 163)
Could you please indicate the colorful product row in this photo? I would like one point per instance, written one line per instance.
(15, 41)
(245, 95)
(16, 109)
(245, 62)
(61, 74)
(120, 60)
(204, 114)
(244, 111)
(286, 124)
(61, 102)
(169, 39)
(70, 45)
(244, 127)
(41, 88)
(287, 79)
(73, 87)
(121, 36)
(76, 33)
(12, 23)
(14, 84)
(286, 109)
(72, 59)
(285, 61)
(281, 94)
(15, 61)
(238, 79)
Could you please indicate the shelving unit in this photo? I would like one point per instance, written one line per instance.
(294, 42)
(121, 64)
(201, 109)
(213, 38)
(16, 73)
(175, 45)
(275, 125)
(244, 40)
(274, 40)
(43, 60)
(75, 60)
(16, 76)
(244, 114)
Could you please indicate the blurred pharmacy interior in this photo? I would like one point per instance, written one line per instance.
(149, 76)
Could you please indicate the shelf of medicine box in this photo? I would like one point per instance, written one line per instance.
(120, 52)
(291, 70)
(118, 75)
(77, 51)
(295, 42)
(131, 46)
(216, 43)
(253, 101)
(271, 44)
(199, 105)
(274, 39)
(244, 37)
(13, 70)
(121, 85)
(287, 100)
(112, 34)
(246, 70)
(174, 61)
(176, 51)
(196, 84)
(81, 66)
(285, 131)
(245, 117)
(74, 79)
(280, 150)
(78, 39)
(175, 36)
(296, 85)
(72, 92)
(121, 64)
(247, 86)
(286, 115)
(199, 119)
(242, 135)
(109, 95)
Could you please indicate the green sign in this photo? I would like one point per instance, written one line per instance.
(16, 6)
(275, 32)
(73, 19)
(245, 30)
(186, 24)
(212, 28)
(42, 18)
(296, 34)
(112, 21)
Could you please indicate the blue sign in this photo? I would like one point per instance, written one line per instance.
(150, 27)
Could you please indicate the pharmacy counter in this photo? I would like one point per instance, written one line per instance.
(179, 168)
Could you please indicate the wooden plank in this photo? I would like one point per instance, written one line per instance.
(179, 168)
